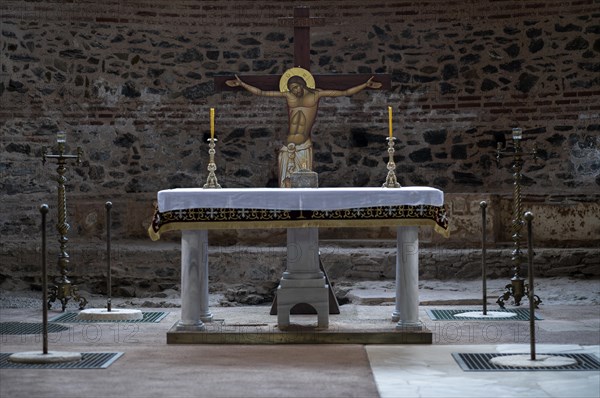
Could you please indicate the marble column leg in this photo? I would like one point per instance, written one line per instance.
(205, 314)
(407, 279)
(194, 279)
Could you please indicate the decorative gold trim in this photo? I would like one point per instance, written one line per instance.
(297, 71)
(225, 218)
(180, 226)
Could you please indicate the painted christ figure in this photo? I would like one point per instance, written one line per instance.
(297, 86)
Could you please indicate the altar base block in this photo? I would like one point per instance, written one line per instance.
(303, 282)
(253, 325)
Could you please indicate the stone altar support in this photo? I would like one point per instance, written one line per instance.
(304, 282)
(194, 211)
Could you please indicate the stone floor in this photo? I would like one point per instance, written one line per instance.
(150, 367)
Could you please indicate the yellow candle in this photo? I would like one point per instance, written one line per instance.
(390, 120)
(212, 123)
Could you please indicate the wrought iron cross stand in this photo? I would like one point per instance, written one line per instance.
(517, 287)
(63, 290)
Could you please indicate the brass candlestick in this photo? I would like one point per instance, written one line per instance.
(211, 181)
(517, 287)
(391, 181)
(63, 290)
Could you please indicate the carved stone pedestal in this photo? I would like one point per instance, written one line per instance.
(303, 282)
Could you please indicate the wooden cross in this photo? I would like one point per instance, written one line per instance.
(301, 21)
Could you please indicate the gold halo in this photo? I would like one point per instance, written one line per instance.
(297, 71)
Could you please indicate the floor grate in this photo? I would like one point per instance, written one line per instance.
(148, 317)
(481, 363)
(89, 360)
(28, 328)
(521, 314)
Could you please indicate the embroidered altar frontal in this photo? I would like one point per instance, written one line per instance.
(180, 209)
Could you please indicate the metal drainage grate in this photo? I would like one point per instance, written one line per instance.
(28, 328)
(481, 363)
(522, 314)
(89, 360)
(147, 317)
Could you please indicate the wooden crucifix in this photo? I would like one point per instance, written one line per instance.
(302, 21)
(302, 91)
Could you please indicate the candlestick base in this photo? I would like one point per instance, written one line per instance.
(517, 289)
(391, 181)
(64, 291)
(211, 181)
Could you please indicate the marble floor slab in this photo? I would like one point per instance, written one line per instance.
(431, 371)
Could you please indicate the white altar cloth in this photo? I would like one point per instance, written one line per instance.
(296, 198)
(242, 208)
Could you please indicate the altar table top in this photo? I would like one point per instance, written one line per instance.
(236, 208)
(296, 198)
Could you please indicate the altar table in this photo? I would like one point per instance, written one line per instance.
(194, 211)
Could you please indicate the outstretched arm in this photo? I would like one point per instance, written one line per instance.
(254, 90)
(351, 91)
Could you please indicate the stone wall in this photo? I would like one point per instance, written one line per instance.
(132, 84)
(141, 270)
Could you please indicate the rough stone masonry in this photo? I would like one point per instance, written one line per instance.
(131, 83)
